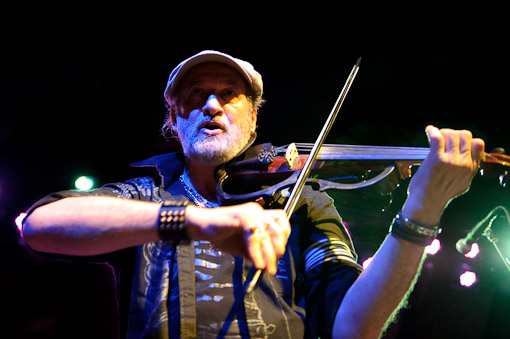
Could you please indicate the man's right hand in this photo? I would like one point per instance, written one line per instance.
(245, 230)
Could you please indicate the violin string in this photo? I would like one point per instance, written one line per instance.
(357, 152)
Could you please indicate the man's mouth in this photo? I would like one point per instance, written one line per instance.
(211, 127)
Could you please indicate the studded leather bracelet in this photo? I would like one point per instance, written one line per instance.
(172, 222)
(407, 230)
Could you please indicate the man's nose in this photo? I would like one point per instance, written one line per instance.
(212, 106)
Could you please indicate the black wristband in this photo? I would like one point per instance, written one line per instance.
(171, 223)
(405, 229)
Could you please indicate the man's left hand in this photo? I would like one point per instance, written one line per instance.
(446, 173)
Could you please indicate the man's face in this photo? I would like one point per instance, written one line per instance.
(214, 117)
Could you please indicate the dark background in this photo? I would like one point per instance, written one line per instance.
(93, 112)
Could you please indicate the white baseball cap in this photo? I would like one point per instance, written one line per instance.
(246, 69)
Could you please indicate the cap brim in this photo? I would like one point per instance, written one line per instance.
(254, 80)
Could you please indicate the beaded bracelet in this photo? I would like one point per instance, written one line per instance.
(407, 230)
(171, 223)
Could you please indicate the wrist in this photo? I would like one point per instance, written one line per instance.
(410, 231)
(172, 226)
(194, 218)
(427, 215)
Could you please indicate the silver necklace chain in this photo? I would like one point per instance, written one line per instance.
(199, 200)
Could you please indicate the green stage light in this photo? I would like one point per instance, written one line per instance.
(84, 183)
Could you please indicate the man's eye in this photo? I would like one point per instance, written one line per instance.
(196, 91)
(229, 92)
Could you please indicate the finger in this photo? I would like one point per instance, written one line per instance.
(436, 140)
(278, 238)
(466, 139)
(452, 141)
(261, 248)
(279, 217)
(268, 253)
(279, 230)
(252, 239)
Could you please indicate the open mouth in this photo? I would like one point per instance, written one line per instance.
(212, 127)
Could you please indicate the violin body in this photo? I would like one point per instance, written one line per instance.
(265, 171)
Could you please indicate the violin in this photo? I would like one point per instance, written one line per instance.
(264, 171)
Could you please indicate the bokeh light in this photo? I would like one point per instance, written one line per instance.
(473, 253)
(433, 248)
(19, 220)
(367, 262)
(468, 279)
(84, 183)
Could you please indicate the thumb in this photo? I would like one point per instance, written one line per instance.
(478, 150)
(436, 140)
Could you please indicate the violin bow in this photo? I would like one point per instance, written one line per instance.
(307, 167)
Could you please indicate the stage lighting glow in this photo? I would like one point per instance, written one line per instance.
(473, 253)
(467, 279)
(367, 262)
(433, 248)
(84, 183)
(19, 220)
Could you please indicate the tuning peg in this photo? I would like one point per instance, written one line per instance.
(498, 150)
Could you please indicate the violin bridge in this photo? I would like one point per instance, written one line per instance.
(291, 154)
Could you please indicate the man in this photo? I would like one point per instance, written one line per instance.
(313, 285)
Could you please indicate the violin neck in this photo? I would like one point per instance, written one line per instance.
(356, 152)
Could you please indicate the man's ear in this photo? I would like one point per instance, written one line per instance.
(172, 119)
(254, 120)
